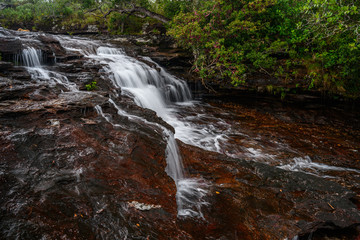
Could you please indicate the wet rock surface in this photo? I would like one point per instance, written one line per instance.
(160, 48)
(66, 172)
(10, 45)
(5, 65)
(252, 200)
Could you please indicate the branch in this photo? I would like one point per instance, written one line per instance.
(142, 10)
(5, 5)
(151, 14)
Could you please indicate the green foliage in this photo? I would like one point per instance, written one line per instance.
(155, 31)
(87, 3)
(91, 86)
(324, 37)
(224, 37)
(312, 43)
(71, 16)
(277, 91)
(37, 12)
(170, 8)
(122, 24)
(232, 39)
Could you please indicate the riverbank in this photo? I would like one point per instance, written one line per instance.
(133, 156)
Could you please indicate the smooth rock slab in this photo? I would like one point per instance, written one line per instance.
(65, 172)
(252, 200)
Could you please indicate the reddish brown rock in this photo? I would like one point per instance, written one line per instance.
(252, 200)
(66, 172)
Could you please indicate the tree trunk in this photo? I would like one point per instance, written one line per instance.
(5, 5)
(144, 11)
(151, 14)
(122, 27)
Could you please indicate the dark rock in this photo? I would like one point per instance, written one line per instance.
(160, 48)
(150, 64)
(19, 73)
(87, 170)
(68, 57)
(15, 89)
(10, 45)
(52, 46)
(66, 171)
(48, 39)
(5, 65)
(151, 29)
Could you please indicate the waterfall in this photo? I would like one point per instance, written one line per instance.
(30, 57)
(150, 87)
(33, 60)
(174, 168)
(190, 191)
(154, 89)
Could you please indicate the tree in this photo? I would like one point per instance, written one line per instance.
(223, 36)
(236, 39)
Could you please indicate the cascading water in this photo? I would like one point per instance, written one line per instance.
(150, 88)
(30, 57)
(154, 90)
(33, 60)
(93, 186)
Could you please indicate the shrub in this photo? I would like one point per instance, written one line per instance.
(91, 86)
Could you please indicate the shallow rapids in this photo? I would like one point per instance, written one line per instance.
(196, 123)
(139, 157)
(155, 89)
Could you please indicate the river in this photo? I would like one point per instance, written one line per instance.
(311, 141)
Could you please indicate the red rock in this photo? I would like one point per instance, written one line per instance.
(252, 200)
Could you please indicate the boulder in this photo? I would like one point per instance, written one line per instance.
(51, 47)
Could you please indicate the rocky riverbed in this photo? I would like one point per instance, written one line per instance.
(77, 164)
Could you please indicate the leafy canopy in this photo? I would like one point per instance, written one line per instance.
(311, 42)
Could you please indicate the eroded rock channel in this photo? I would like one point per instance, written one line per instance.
(137, 158)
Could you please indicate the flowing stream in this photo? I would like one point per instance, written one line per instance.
(107, 183)
(153, 90)
(149, 89)
(33, 60)
(195, 123)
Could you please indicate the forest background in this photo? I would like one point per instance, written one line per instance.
(303, 44)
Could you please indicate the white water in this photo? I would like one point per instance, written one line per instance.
(32, 59)
(152, 89)
(155, 90)
(51, 78)
(198, 131)
(190, 192)
(305, 164)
